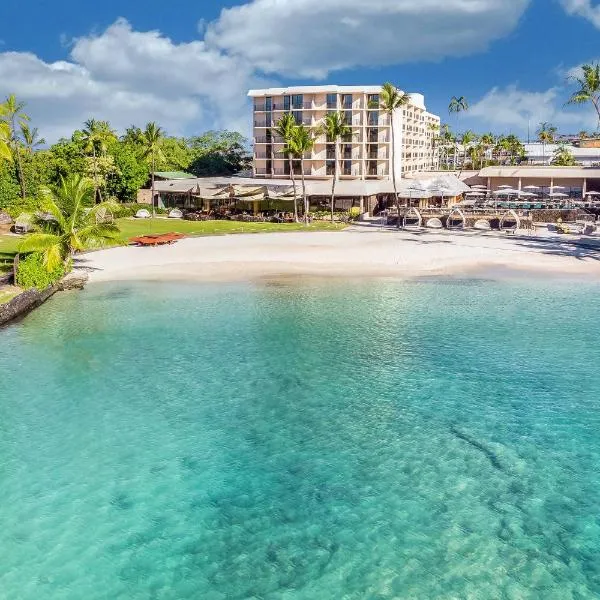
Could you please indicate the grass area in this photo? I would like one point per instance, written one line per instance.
(134, 227)
(8, 249)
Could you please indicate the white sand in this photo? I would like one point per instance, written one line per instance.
(356, 252)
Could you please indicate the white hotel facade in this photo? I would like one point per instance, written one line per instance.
(368, 154)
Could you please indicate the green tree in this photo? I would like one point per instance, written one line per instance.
(467, 139)
(563, 157)
(5, 153)
(392, 99)
(302, 142)
(588, 81)
(487, 140)
(335, 128)
(218, 153)
(546, 134)
(73, 224)
(130, 172)
(11, 111)
(285, 130)
(151, 140)
(95, 137)
(31, 138)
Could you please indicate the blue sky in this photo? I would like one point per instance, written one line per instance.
(189, 64)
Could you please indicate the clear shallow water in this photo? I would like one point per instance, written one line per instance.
(312, 441)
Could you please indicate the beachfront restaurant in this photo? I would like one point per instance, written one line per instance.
(259, 196)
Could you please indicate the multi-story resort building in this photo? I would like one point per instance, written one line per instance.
(368, 153)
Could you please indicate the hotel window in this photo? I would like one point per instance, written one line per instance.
(330, 167)
(348, 117)
(346, 100)
(372, 119)
(372, 135)
(347, 151)
(297, 116)
(268, 103)
(347, 138)
(330, 152)
(372, 168)
(297, 100)
(332, 101)
(286, 103)
(347, 167)
(373, 101)
(373, 150)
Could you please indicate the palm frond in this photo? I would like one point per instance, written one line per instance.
(38, 242)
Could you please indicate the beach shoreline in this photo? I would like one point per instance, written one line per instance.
(352, 254)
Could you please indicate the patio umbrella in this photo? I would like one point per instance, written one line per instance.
(479, 187)
(558, 195)
(503, 186)
(592, 193)
(531, 187)
(505, 192)
(480, 194)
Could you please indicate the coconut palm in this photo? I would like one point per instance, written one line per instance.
(563, 157)
(11, 111)
(69, 222)
(466, 140)
(95, 137)
(285, 130)
(151, 140)
(487, 140)
(545, 134)
(458, 104)
(434, 128)
(392, 99)
(588, 81)
(301, 142)
(30, 137)
(5, 153)
(335, 128)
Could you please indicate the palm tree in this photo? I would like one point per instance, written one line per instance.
(335, 128)
(31, 138)
(515, 148)
(151, 139)
(466, 139)
(285, 130)
(72, 225)
(5, 153)
(301, 142)
(96, 135)
(487, 141)
(12, 111)
(563, 157)
(546, 133)
(589, 87)
(434, 128)
(392, 99)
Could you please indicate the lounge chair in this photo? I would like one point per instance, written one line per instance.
(175, 214)
(142, 214)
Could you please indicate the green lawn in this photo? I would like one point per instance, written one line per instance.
(134, 227)
(8, 249)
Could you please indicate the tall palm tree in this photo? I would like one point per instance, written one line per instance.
(151, 139)
(487, 141)
(545, 134)
(30, 137)
(302, 142)
(589, 87)
(285, 130)
(73, 225)
(335, 128)
(5, 153)
(11, 111)
(96, 135)
(466, 139)
(392, 99)
(458, 104)
(434, 128)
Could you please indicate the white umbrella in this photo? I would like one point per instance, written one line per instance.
(558, 187)
(558, 195)
(479, 187)
(527, 195)
(475, 194)
(507, 192)
(531, 187)
(504, 186)
(592, 193)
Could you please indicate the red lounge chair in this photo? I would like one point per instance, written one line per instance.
(156, 240)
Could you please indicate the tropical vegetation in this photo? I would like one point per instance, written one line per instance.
(588, 80)
(336, 128)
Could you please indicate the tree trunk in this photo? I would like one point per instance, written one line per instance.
(294, 188)
(394, 172)
(18, 157)
(152, 176)
(95, 174)
(335, 173)
(305, 199)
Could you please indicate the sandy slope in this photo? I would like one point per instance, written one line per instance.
(352, 253)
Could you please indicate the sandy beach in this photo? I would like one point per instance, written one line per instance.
(356, 252)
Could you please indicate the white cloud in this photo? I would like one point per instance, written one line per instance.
(311, 38)
(131, 77)
(512, 109)
(583, 8)
(127, 76)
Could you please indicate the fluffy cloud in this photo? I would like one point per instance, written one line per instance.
(583, 8)
(127, 76)
(311, 38)
(512, 109)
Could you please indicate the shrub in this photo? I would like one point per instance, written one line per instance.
(32, 273)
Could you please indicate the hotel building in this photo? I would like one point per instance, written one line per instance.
(368, 153)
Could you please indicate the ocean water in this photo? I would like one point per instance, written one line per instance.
(303, 441)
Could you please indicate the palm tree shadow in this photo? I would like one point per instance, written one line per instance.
(567, 248)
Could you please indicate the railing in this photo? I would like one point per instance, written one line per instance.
(261, 139)
(262, 155)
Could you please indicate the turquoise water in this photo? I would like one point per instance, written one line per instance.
(303, 441)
